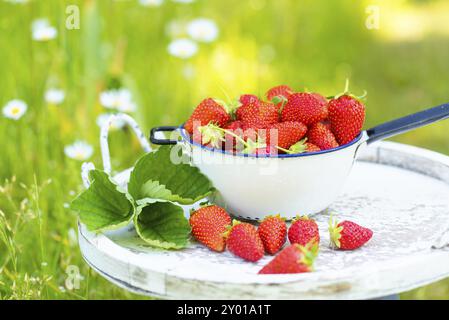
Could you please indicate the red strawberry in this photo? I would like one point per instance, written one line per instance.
(310, 147)
(209, 225)
(248, 98)
(304, 107)
(285, 134)
(207, 111)
(258, 114)
(282, 90)
(320, 135)
(346, 115)
(244, 241)
(272, 231)
(320, 97)
(293, 259)
(303, 231)
(348, 235)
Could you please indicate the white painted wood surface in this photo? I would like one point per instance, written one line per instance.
(399, 191)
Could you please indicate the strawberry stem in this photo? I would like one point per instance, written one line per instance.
(334, 232)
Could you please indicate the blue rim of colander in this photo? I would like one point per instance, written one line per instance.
(186, 137)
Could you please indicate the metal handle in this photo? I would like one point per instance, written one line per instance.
(104, 145)
(408, 123)
(155, 140)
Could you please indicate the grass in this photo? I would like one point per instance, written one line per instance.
(313, 44)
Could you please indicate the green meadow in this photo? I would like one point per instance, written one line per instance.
(401, 60)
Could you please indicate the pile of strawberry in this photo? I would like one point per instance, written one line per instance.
(212, 226)
(288, 122)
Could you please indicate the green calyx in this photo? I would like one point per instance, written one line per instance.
(334, 232)
(277, 216)
(211, 135)
(309, 254)
(230, 107)
(347, 93)
(215, 134)
(279, 99)
(298, 147)
(229, 228)
(299, 217)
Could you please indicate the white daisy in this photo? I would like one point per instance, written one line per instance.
(120, 99)
(42, 30)
(79, 150)
(182, 48)
(183, 1)
(54, 96)
(15, 109)
(115, 124)
(203, 30)
(151, 3)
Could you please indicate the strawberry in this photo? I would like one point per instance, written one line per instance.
(209, 224)
(244, 241)
(258, 114)
(285, 134)
(348, 235)
(209, 110)
(346, 115)
(304, 107)
(300, 147)
(320, 135)
(293, 259)
(303, 230)
(320, 97)
(272, 230)
(282, 90)
(310, 147)
(248, 99)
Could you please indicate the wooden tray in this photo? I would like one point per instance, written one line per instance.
(399, 191)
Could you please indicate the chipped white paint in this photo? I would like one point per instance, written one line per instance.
(401, 192)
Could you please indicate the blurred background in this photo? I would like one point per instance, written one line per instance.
(66, 65)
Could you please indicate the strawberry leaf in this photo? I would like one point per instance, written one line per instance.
(104, 205)
(158, 175)
(162, 224)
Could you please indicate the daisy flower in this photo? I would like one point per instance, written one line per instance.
(15, 109)
(203, 30)
(119, 99)
(43, 31)
(115, 124)
(151, 3)
(183, 1)
(54, 96)
(79, 150)
(182, 48)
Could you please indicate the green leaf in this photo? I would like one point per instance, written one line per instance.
(157, 176)
(162, 224)
(104, 205)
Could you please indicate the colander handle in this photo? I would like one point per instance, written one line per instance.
(155, 130)
(104, 145)
(408, 123)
